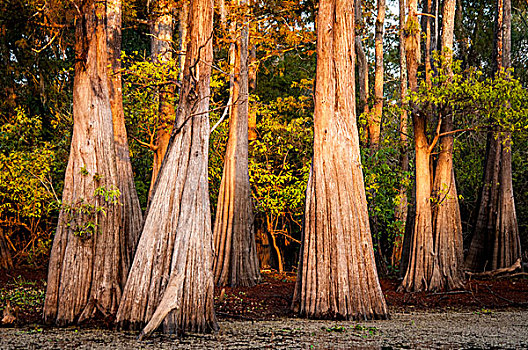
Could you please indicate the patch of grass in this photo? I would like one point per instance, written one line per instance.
(366, 331)
(484, 312)
(336, 328)
(22, 293)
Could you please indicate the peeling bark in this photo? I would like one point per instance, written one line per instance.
(85, 276)
(171, 280)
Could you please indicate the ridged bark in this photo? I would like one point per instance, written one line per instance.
(337, 275)
(85, 270)
(171, 280)
(496, 242)
(131, 216)
(420, 263)
(161, 52)
(236, 262)
(447, 222)
(402, 207)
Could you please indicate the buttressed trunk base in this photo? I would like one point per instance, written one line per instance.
(337, 275)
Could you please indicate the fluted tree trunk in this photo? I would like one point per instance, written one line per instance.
(447, 222)
(421, 255)
(236, 262)
(337, 275)
(402, 207)
(131, 216)
(171, 279)
(161, 53)
(85, 269)
(436, 246)
(496, 241)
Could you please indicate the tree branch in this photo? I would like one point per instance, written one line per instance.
(455, 131)
(437, 136)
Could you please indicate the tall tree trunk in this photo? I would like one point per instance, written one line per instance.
(447, 222)
(236, 261)
(6, 262)
(252, 77)
(375, 121)
(171, 279)
(427, 4)
(131, 217)
(496, 241)
(374, 126)
(420, 265)
(362, 62)
(402, 207)
(183, 29)
(161, 53)
(84, 275)
(337, 275)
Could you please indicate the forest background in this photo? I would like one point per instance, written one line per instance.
(36, 63)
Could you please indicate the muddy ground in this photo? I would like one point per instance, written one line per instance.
(487, 314)
(425, 330)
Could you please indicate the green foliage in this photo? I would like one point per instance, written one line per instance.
(279, 161)
(23, 294)
(83, 217)
(280, 158)
(28, 203)
(478, 104)
(142, 79)
(383, 178)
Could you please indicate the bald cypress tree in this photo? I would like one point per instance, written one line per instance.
(89, 251)
(171, 279)
(496, 241)
(337, 272)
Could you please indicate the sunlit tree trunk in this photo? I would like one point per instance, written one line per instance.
(362, 63)
(252, 76)
(421, 256)
(375, 120)
(85, 270)
(131, 217)
(401, 208)
(236, 261)
(447, 222)
(337, 275)
(183, 24)
(171, 279)
(496, 241)
(427, 6)
(161, 52)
